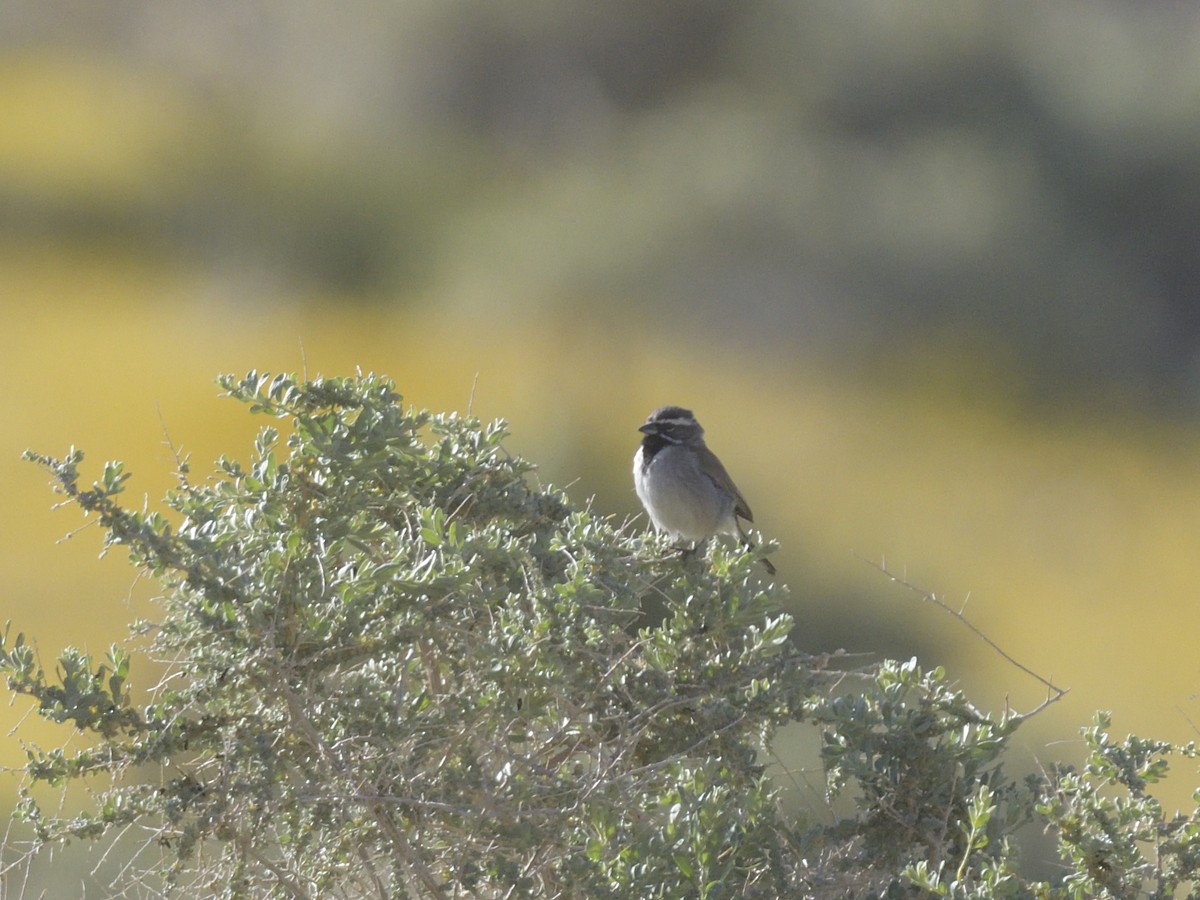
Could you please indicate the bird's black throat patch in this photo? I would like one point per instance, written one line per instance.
(651, 444)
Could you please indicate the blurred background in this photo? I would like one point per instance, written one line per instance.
(927, 274)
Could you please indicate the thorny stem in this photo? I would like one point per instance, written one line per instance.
(1054, 692)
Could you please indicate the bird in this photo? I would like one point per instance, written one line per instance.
(683, 485)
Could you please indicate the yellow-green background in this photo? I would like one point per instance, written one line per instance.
(188, 189)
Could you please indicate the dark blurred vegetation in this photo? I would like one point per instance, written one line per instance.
(925, 272)
(808, 175)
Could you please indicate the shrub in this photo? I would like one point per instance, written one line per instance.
(394, 667)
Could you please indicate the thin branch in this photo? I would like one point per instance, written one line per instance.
(286, 881)
(1187, 718)
(402, 850)
(369, 865)
(406, 854)
(1054, 692)
(90, 523)
(181, 461)
(471, 397)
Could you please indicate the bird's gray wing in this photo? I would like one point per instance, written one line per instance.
(712, 467)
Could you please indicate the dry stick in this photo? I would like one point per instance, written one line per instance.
(1186, 718)
(403, 851)
(181, 461)
(293, 887)
(471, 397)
(1055, 693)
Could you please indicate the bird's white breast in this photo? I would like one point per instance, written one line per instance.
(680, 499)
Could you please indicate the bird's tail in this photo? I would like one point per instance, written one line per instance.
(750, 545)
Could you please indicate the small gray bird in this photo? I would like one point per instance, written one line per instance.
(685, 489)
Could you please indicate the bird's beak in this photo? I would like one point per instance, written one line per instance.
(648, 428)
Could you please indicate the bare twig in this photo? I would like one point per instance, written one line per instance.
(407, 855)
(1053, 692)
(286, 881)
(402, 850)
(1187, 719)
(181, 461)
(471, 398)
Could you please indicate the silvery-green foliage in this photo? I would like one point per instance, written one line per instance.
(397, 668)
